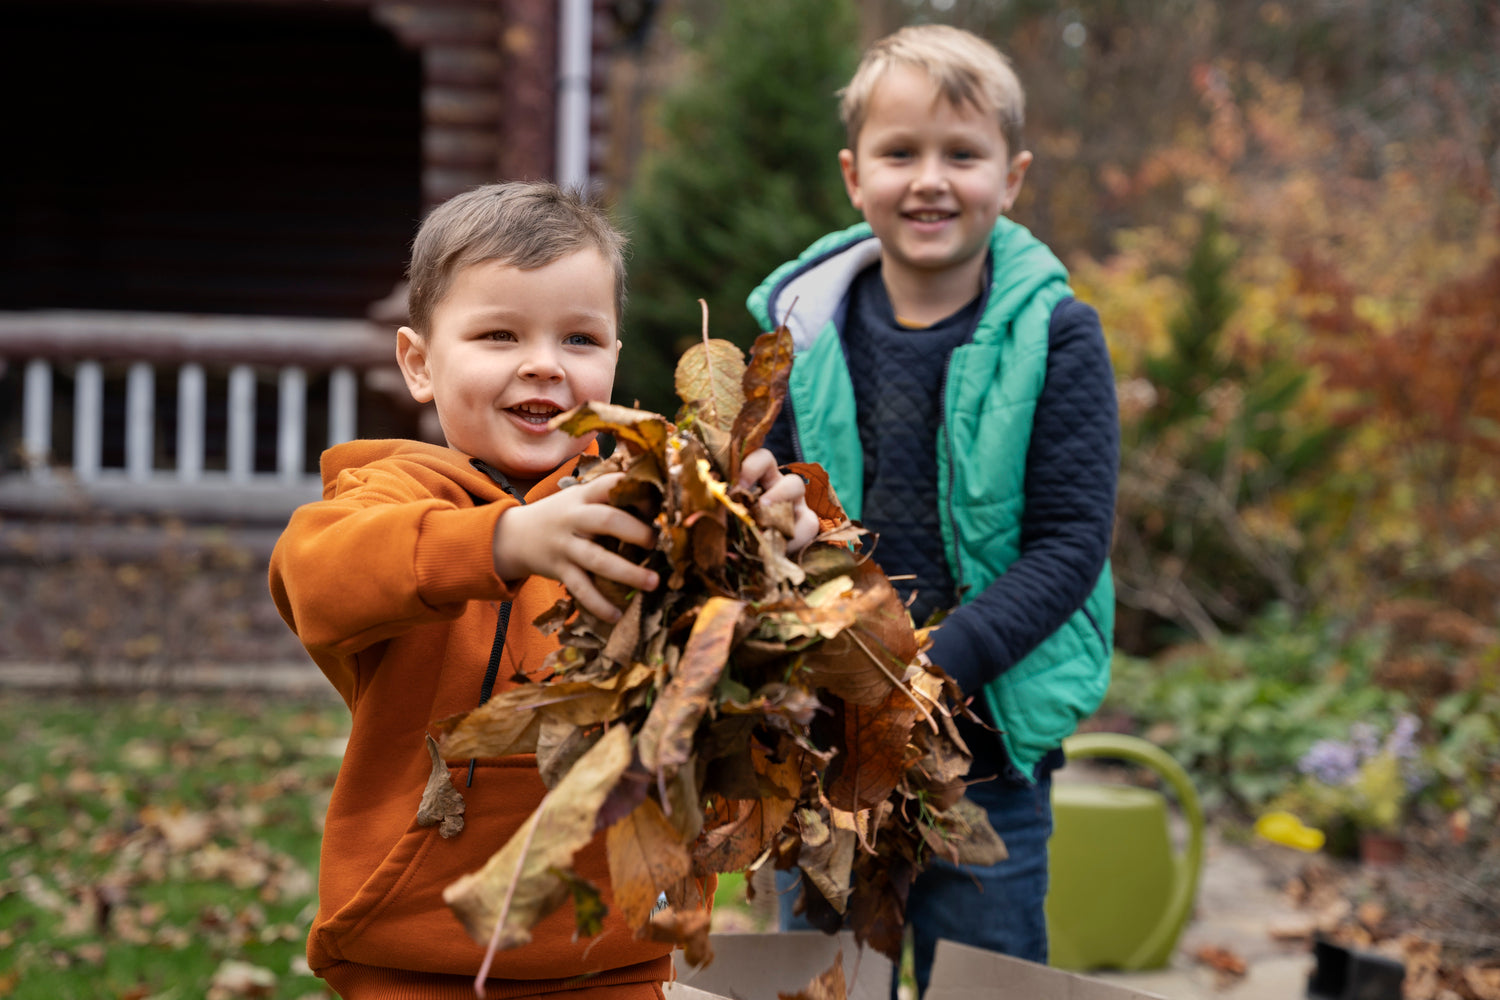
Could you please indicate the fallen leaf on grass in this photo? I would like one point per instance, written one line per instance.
(233, 979)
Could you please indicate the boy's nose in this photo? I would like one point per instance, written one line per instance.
(930, 174)
(543, 364)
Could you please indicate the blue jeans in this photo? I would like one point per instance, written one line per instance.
(998, 907)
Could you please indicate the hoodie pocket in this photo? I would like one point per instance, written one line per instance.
(398, 918)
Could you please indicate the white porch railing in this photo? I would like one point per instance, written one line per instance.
(231, 354)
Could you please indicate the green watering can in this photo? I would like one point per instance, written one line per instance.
(1120, 891)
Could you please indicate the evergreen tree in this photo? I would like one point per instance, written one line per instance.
(746, 177)
(1204, 536)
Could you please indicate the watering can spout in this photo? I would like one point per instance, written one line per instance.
(1120, 893)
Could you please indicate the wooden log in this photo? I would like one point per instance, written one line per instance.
(440, 184)
(461, 65)
(454, 106)
(455, 147)
(424, 24)
(529, 83)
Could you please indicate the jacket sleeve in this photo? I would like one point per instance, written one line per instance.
(380, 556)
(779, 439)
(1072, 470)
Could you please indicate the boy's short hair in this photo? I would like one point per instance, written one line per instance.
(526, 224)
(966, 68)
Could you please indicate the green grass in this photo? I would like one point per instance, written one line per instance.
(145, 842)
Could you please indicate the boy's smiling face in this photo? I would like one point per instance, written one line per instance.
(931, 179)
(509, 349)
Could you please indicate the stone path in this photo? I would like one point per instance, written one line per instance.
(1241, 911)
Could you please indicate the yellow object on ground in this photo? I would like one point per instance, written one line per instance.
(1287, 830)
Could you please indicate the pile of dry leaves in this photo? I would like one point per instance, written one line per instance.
(754, 709)
(1438, 913)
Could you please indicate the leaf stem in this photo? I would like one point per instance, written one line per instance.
(708, 356)
(510, 892)
(854, 634)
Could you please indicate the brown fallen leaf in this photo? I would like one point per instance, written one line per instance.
(1224, 961)
(1483, 981)
(665, 741)
(828, 985)
(644, 854)
(687, 928)
(441, 801)
(234, 979)
(979, 844)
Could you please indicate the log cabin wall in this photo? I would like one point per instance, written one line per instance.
(247, 158)
(253, 156)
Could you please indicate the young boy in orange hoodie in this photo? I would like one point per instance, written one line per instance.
(414, 583)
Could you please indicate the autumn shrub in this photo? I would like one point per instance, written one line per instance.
(1367, 282)
(1211, 442)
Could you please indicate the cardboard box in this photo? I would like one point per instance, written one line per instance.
(960, 972)
(759, 966)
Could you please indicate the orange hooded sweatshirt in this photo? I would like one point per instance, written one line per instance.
(389, 581)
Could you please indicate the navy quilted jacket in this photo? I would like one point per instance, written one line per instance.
(1070, 473)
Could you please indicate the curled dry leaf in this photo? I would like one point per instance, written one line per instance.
(755, 707)
(441, 802)
(829, 985)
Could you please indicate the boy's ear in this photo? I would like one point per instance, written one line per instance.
(1014, 178)
(850, 170)
(411, 355)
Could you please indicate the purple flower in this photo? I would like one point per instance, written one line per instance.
(1332, 762)
(1366, 741)
(1401, 744)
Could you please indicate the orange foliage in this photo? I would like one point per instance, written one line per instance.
(1379, 270)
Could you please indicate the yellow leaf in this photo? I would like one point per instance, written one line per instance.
(520, 884)
(709, 381)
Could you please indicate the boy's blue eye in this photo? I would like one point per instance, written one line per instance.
(580, 339)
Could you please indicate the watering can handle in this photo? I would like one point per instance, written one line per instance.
(1139, 751)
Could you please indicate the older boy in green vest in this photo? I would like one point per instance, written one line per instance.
(963, 404)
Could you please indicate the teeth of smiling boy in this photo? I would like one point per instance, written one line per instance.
(538, 414)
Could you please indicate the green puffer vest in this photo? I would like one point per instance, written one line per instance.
(990, 393)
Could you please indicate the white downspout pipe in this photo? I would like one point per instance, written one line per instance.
(575, 53)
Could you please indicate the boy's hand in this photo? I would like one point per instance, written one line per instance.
(759, 468)
(554, 537)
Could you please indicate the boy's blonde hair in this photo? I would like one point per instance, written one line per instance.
(526, 224)
(966, 68)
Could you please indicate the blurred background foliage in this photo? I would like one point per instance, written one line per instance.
(1287, 217)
